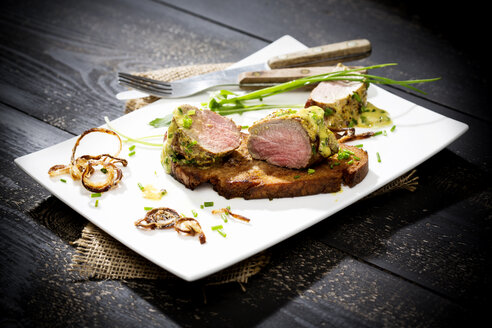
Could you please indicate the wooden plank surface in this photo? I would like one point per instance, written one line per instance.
(402, 259)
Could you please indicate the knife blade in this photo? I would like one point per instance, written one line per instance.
(322, 55)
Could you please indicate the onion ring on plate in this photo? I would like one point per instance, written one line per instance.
(113, 175)
(58, 170)
(102, 130)
(191, 227)
(158, 218)
(81, 168)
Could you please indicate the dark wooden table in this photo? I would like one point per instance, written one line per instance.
(403, 259)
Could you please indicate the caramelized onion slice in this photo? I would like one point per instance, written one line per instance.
(191, 227)
(346, 135)
(234, 215)
(101, 130)
(58, 170)
(113, 175)
(158, 218)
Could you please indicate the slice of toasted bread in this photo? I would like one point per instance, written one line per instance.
(242, 176)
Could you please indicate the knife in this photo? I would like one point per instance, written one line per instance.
(329, 54)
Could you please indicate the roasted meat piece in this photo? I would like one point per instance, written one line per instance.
(344, 99)
(292, 138)
(199, 137)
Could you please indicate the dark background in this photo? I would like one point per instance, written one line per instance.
(404, 259)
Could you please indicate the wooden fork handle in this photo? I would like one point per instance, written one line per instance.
(282, 74)
(329, 54)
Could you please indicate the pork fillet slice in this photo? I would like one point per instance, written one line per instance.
(344, 99)
(199, 137)
(292, 138)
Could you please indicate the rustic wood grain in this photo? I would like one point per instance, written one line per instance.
(60, 62)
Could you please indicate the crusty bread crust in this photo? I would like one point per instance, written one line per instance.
(244, 177)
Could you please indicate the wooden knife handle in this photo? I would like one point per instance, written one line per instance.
(282, 74)
(329, 54)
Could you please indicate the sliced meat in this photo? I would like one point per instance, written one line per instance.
(292, 138)
(344, 99)
(199, 137)
(242, 176)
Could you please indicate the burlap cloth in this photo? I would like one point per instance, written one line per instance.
(99, 256)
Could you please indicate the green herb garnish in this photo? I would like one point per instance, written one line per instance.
(96, 195)
(225, 102)
(97, 203)
(310, 171)
(63, 180)
(132, 147)
(393, 128)
(148, 208)
(187, 122)
(195, 214)
(379, 157)
(208, 204)
(132, 153)
(140, 186)
(103, 170)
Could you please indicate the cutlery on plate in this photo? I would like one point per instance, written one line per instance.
(318, 56)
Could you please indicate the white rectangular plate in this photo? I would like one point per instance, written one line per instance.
(419, 134)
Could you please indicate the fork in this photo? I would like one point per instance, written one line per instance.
(175, 89)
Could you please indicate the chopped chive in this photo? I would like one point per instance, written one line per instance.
(379, 157)
(195, 214)
(222, 233)
(103, 170)
(148, 208)
(224, 217)
(63, 180)
(310, 171)
(163, 192)
(393, 128)
(217, 227)
(208, 204)
(356, 158)
(356, 97)
(359, 145)
(140, 186)
(350, 162)
(384, 133)
(131, 147)
(244, 126)
(378, 133)
(201, 206)
(97, 203)
(297, 176)
(132, 153)
(96, 195)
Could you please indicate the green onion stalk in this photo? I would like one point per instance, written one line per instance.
(225, 102)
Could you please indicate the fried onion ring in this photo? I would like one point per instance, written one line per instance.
(113, 176)
(348, 134)
(234, 215)
(191, 227)
(81, 168)
(158, 218)
(102, 130)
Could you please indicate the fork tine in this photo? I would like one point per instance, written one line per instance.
(141, 79)
(145, 84)
(147, 88)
